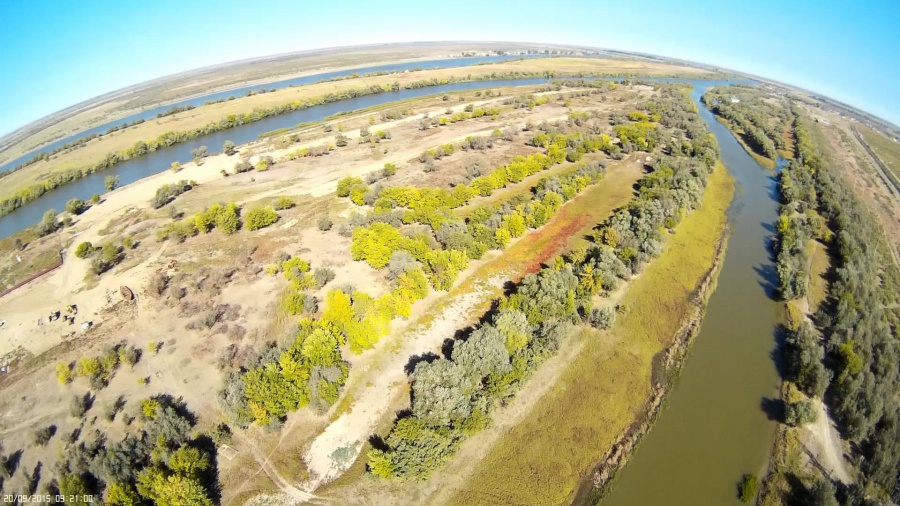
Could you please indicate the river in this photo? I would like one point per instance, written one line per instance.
(135, 169)
(714, 427)
(240, 92)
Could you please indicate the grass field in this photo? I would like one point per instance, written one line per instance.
(886, 149)
(545, 458)
(188, 120)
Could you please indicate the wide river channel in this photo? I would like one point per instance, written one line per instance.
(714, 427)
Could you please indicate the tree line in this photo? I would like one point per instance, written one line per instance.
(855, 360)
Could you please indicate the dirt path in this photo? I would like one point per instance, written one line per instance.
(825, 439)
(273, 474)
(826, 444)
(373, 401)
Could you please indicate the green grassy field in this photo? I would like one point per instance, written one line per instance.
(545, 458)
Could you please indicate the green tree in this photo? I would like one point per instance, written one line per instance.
(75, 206)
(260, 217)
(747, 488)
(228, 148)
(111, 182)
(84, 250)
(49, 223)
(284, 202)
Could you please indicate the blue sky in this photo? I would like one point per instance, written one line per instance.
(54, 53)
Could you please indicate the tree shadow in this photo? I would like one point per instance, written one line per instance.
(773, 408)
(781, 333)
(415, 360)
(768, 279)
(33, 478)
(13, 461)
(210, 477)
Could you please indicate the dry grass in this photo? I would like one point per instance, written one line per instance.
(544, 459)
(886, 149)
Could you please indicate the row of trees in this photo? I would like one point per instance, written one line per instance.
(857, 360)
(452, 396)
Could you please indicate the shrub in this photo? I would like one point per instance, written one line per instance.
(111, 182)
(390, 169)
(95, 198)
(64, 374)
(264, 163)
(228, 148)
(84, 250)
(242, 166)
(325, 223)
(42, 436)
(49, 223)
(747, 488)
(260, 217)
(602, 319)
(221, 434)
(78, 406)
(75, 206)
(323, 276)
(284, 203)
(175, 167)
(800, 413)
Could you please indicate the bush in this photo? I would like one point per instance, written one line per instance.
(325, 223)
(78, 406)
(800, 413)
(602, 319)
(323, 276)
(228, 148)
(264, 163)
(49, 223)
(221, 434)
(242, 166)
(111, 182)
(84, 250)
(42, 436)
(747, 488)
(284, 203)
(75, 206)
(390, 169)
(260, 217)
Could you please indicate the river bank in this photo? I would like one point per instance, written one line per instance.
(668, 365)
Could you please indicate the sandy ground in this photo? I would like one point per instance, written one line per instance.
(373, 401)
(824, 441)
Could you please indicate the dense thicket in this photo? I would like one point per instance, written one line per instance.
(452, 396)
(161, 461)
(761, 122)
(860, 317)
